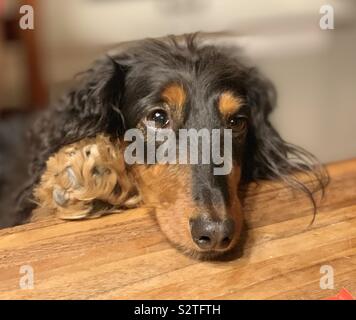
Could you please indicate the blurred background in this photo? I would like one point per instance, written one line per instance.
(314, 70)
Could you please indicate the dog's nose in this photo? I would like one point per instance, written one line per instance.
(209, 234)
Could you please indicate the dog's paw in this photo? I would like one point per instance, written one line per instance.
(85, 180)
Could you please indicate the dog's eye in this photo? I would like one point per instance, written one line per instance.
(159, 117)
(237, 122)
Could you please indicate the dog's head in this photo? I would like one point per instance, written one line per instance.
(170, 84)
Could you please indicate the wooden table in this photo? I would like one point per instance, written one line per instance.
(125, 256)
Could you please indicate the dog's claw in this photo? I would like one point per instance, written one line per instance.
(72, 178)
(59, 196)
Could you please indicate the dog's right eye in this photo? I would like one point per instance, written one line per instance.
(159, 117)
(237, 122)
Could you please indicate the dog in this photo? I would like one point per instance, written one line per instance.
(77, 168)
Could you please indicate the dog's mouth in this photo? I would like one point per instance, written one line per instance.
(210, 255)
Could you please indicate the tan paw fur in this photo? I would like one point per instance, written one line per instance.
(85, 180)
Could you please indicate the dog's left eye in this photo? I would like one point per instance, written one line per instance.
(160, 118)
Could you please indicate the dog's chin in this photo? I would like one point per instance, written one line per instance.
(210, 255)
(206, 255)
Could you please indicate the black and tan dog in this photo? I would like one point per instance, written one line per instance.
(78, 169)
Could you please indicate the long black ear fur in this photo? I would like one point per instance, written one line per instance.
(267, 155)
(93, 106)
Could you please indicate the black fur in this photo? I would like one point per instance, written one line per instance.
(13, 160)
(116, 92)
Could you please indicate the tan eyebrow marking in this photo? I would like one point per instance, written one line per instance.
(229, 103)
(175, 95)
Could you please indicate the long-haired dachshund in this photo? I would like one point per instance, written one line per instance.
(78, 169)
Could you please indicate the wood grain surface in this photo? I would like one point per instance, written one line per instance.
(125, 256)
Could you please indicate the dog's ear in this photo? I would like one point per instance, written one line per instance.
(267, 155)
(95, 102)
(91, 107)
